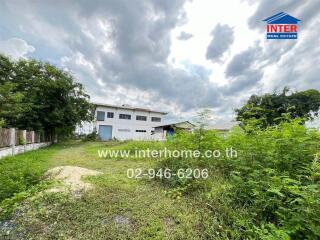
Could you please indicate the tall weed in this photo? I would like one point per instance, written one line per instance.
(269, 191)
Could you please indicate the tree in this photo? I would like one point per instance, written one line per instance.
(272, 109)
(202, 121)
(39, 96)
(10, 100)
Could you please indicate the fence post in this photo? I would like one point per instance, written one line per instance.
(32, 139)
(24, 139)
(12, 139)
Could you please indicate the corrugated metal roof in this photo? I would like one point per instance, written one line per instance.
(175, 123)
(125, 106)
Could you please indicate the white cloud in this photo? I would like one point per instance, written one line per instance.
(15, 48)
(132, 51)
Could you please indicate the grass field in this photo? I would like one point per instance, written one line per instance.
(269, 191)
(116, 208)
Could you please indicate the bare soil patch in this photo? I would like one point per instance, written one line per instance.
(71, 177)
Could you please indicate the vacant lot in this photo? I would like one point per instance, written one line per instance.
(269, 190)
(115, 207)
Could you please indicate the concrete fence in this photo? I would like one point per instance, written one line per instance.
(14, 141)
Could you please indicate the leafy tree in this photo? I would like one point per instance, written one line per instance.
(272, 109)
(10, 100)
(39, 96)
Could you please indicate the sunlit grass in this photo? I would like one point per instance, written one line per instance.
(117, 207)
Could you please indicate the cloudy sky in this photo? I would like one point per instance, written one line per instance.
(173, 55)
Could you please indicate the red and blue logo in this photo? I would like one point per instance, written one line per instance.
(282, 26)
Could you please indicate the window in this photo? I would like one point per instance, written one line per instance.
(100, 116)
(124, 130)
(110, 114)
(125, 116)
(141, 118)
(141, 131)
(156, 119)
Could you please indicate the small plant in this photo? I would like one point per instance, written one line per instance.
(9, 205)
(2, 123)
(21, 141)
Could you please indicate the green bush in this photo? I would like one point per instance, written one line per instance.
(90, 137)
(269, 191)
(21, 141)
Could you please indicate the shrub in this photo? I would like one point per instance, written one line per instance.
(270, 191)
(90, 137)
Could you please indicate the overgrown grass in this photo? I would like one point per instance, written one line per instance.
(114, 210)
(20, 172)
(266, 192)
(269, 191)
(117, 208)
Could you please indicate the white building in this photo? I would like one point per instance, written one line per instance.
(126, 122)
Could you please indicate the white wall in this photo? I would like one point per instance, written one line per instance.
(130, 125)
(5, 152)
(9, 151)
(85, 128)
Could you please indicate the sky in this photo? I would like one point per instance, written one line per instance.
(177, 56)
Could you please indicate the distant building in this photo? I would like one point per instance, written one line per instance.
(163, 130)
(125, 122)
(223, 127)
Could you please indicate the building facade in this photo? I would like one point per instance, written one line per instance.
(126, 122)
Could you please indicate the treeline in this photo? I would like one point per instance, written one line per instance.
(272, 109)
(41, 97)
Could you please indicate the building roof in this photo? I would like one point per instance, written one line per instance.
(281, 18)
(183, 124)
(222, 126)
(125, 106)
